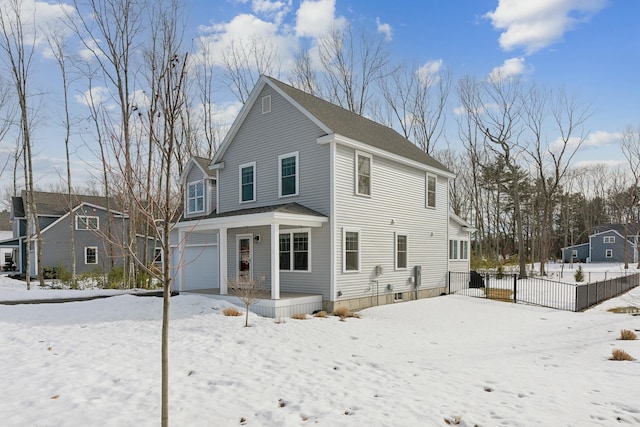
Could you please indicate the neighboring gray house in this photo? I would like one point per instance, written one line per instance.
(327, 207)
(94, 228)
(606, 244)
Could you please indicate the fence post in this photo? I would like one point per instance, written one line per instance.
(449, 283)
(575, 305)
(515, 288)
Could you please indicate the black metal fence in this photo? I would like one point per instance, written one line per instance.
(538, 291)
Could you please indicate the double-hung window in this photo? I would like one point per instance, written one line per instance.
(608, 253)
(351, 250)
(401, 251)
(431, 191)
(464, 249)
(288, 176)
(195, 197)
(609, 239)
(295, 250)
(453, 249)
(363, 174)
(87, 222)
(90, 255)
(247, 182)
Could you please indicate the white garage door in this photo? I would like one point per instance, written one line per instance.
(200, 268)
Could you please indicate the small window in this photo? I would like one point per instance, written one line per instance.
(157, 255)
(266, 104)
(608, 253)
(401, 251)
(398, 296)
(453, 249)
(464, 249)
(195, 197)
(363, 174)
(351, 250)
(288, 174)
(431, 191)
(609, 239)
(574, 253)
(87, 223)
(248, 182)
(90, 255)
(295, 251)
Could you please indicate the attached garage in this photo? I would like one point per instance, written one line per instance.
(197, 267)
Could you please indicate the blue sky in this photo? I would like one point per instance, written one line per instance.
(591, 47)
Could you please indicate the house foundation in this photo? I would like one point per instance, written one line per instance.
(355, 304)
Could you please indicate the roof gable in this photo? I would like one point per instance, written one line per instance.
(59, 204)
(201, 163)
(333, 119)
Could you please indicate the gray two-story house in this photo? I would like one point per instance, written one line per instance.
(326, 207)
(99, 230)
(607, 243)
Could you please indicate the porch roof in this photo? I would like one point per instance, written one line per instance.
(283, 214)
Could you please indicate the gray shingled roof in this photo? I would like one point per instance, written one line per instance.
(204, 164)
(359, 128)
(58, 204)
(288, 208)
(632, 229)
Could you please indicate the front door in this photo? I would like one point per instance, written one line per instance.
(245, 258)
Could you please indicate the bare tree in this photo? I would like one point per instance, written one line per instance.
(249, 291)
(57, 44)
(303, 75)
(18, 41)
(245, 61)
(552, 157)
(495, 107)
(630, 145)
(351, 65)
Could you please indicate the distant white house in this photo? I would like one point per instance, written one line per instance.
(329, 208)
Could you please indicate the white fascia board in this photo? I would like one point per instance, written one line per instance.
(343, 140)
(254, 220)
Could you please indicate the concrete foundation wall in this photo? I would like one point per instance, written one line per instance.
(356, 304)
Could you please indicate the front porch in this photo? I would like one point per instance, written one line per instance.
(288, 304)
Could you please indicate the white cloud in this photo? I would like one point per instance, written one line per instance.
(534, 25)
(602, 138)
(429, 72)
(274, 9)
(590, 164)
(384, 29)
(315, 18)
(96, 95)
(510, 69)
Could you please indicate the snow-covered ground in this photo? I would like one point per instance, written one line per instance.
(417, 363)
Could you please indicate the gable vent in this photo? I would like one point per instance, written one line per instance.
(266, 104)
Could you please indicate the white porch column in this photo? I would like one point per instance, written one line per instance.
(275, 261)
(222, 256)
(179, 268)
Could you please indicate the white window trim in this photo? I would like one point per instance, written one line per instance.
(356, 168)
(291, 232)
(395, 250)
(574, 253)
(608, 253)
(346, 230)
(204, 198)
(157, 253)
(426, 191)
(280, 158)
(255, 181)
(85, 224)
(85, 255)
(609, 239)
(266, 104)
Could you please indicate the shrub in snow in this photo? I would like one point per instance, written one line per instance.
(341, 312)
(619, 354)
(231, 311)
(320, 313)
(628, 335)
(579, 274)
(299, 316)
